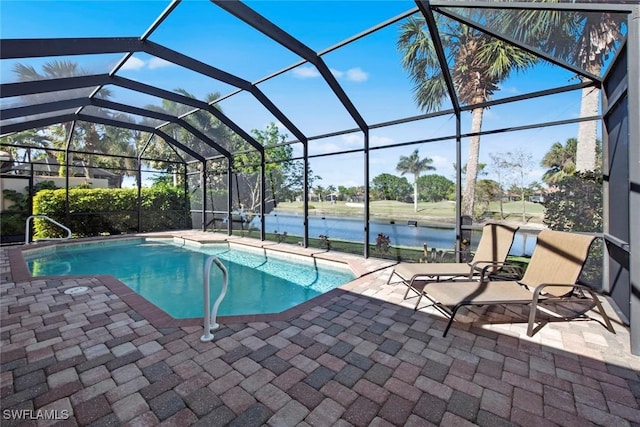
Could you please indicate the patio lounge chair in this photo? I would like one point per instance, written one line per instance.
(493, 248)
(552, 274)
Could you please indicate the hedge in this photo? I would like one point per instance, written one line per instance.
(94, 212)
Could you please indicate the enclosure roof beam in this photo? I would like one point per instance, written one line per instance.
(161, 116)
(192, 102)
(49, 121)
(27, 48)
(573, 6)
(426, 11)
(38, 48)
(515, 42)
(69, 83)
(134, 126)
(194, 65)
(45, 107)
(52, 85)
(213, 72)
(268, 28)
(35, 124)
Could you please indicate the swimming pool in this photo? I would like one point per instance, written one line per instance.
(169, 273)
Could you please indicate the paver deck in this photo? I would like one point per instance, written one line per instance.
(359, 356)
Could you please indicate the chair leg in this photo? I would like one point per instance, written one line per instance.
(408, 289)
(532, 312)
(604, 315)
(418, 302)
(453, 314)
(392, 273)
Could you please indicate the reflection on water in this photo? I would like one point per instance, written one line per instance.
(400, 233)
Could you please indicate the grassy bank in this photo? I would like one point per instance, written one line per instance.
(443, 211)
(396, 253)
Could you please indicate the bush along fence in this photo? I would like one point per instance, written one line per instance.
(94, 212)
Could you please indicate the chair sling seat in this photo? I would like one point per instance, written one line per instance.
(493, 247)
(552, 274)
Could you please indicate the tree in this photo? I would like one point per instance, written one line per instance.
(31, 139)
(499, 168)
(561, 160)
(518, 164)
(434, 188)
(581, 38)
(87, 136)
(202, 120)
(390, 187)
(480, 63)
(488, 191)
(331, 192)
(294, 179)
(320, 192)
(278, 167)
(351, 194)
(576, 205)
(122, 142)
(414, 165)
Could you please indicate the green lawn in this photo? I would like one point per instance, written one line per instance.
(443, 211)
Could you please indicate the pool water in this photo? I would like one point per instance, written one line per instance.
(170, 275)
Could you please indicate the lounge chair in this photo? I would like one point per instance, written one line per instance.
(552, 274)
(493, 248)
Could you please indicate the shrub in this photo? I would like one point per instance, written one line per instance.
(96, 212)
(576, 206)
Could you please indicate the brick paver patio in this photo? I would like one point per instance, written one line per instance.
(359, 356)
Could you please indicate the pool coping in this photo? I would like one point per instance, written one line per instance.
(158, 317)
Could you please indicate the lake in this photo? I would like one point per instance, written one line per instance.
(400, 233)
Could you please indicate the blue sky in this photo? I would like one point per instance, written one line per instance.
(368, 70)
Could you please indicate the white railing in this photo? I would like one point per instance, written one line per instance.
(27, 229)
(210, 316)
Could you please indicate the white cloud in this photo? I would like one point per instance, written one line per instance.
(441, 162)
(133, 63)
(381, 140)
(158, 63)
(510, 90)
(306, 72)
(354, 140)
(326, 147)
(356, 75)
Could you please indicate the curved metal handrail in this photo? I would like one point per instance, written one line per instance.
(210, 316)
(27, 229)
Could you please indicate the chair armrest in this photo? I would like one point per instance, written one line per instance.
(574, 286)
(501, 270)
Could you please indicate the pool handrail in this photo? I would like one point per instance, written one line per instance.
(27, 229)
(210, 316)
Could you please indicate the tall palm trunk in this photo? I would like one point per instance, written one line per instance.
(415, 193)
(468, 197)
(587, 131)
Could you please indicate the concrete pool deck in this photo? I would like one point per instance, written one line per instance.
(357, 356)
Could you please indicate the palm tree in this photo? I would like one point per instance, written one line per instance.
(583, 39)
(480, 63)
(560, 161)
(31, 139)
(413, 164)
(86, 134)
